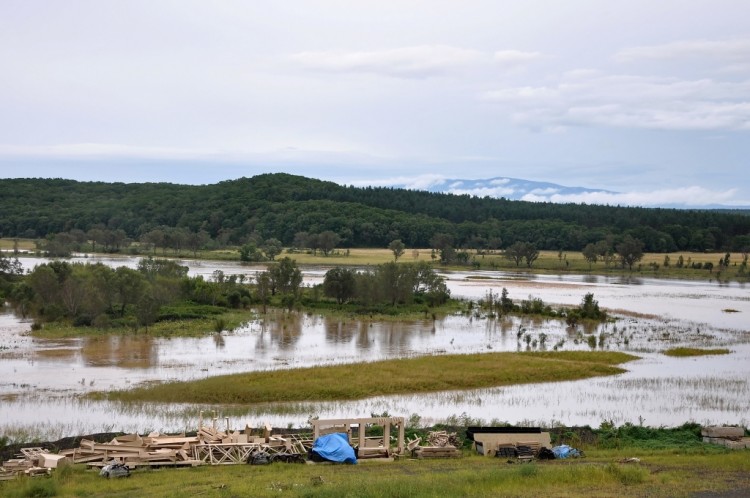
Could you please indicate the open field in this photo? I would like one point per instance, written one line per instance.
(664, 473)
(413, 375)
(23, 244)
(548, 261)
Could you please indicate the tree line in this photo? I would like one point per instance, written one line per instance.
(251, 211)
(157, 290)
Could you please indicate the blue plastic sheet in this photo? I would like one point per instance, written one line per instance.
(335, 447)
(565, 451)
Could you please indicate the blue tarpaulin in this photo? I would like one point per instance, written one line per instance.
(565, 451)
(335, 447)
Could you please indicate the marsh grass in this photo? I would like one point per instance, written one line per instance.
(402, 376)
(685, 352)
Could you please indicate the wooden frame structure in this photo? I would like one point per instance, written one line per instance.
(368, 447)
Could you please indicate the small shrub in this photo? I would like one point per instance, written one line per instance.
(528, 470)
(627, 475)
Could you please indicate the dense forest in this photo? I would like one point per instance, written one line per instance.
(280, 207)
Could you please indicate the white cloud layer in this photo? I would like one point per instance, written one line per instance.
(405, 62)
(692, 196)
(684, 196)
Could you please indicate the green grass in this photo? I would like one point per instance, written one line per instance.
(363, 380)
(659, 474)
(685, 352)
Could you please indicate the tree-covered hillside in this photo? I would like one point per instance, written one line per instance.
(281, 206)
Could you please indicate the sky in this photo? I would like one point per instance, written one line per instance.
(647, 99)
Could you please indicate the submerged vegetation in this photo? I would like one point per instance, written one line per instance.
(412, 375)
(681, 352)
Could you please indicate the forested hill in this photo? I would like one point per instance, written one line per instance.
(280, 206)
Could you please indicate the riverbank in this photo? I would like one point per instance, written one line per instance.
(661, 473)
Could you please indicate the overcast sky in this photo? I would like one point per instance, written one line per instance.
(648, 98)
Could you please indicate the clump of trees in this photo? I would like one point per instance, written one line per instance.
(587, 310)
(101, 296)
(388, 284)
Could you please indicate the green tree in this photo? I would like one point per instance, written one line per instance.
(286, 277)
(630, 251)
(397, 248)
(327, 241)
(249, 253)
(530, 254)
(272, 248)
(515, 252)
(263, 288)
(339, 284)
(590, 254)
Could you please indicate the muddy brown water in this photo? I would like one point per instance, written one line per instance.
(41, 381)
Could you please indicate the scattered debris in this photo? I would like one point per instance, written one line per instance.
(565, 451)
(355, 430)
(115, 470)
(441, 444)
(729, 437)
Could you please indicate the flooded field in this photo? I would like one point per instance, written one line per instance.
(41, 381)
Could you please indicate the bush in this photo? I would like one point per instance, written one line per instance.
(188, 311)
(82, 321)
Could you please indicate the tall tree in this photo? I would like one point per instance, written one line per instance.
(590, 254)
(339, 284)
(630, 251)
(327, 241)
(397, 248)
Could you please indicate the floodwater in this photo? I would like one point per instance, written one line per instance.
(41, 381)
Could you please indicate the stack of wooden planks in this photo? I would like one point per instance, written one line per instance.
(441, 445)
(134, 450)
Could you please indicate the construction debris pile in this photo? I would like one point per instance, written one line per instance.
(32, 462)
(213, 446)
(729, 437)
(440, 444)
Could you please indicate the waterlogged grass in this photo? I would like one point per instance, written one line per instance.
(600, 474)
(683, 352)
(196, 327)
(402, 376)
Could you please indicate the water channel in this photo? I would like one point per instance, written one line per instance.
(42, 381)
